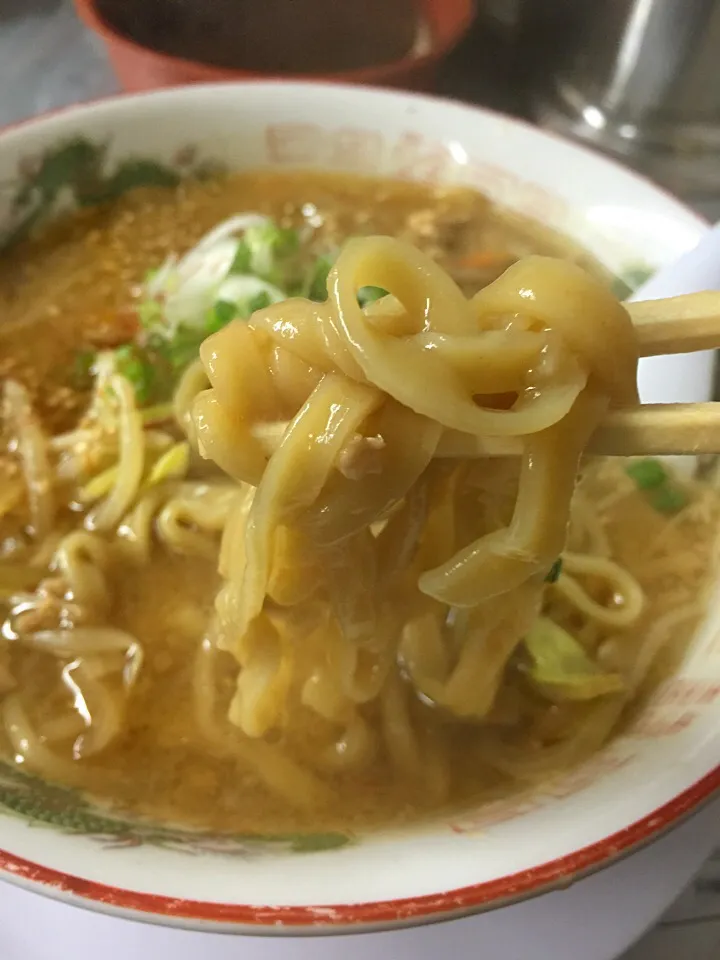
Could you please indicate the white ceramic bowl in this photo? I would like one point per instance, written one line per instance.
(656, 773)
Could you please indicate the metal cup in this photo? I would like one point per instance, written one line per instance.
(639, 79)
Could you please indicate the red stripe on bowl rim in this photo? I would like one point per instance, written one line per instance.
(370, 914)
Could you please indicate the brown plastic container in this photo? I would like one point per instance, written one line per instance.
(139, 67)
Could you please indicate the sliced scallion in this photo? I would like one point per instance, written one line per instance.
(554, 572)
(221, 314)
(137, 369)
(370, 294)
(662, 492)
(668, 498)
(259, 301)
(268, 245)
(241, 262)
(150, 314)
(316, 283)
(82, 372)
(647, 473)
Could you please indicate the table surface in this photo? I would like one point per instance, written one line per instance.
(47, 61)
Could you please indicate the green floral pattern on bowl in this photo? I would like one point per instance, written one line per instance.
(76, 173)
(46, 805)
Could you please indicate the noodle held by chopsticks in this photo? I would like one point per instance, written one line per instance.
(511, 362)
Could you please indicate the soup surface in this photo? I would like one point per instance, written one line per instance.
(105, 616)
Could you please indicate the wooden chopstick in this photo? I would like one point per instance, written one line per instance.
(677, 324)
(653, 429)
(681, 324)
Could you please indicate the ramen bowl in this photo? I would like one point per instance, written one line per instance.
(665, 762)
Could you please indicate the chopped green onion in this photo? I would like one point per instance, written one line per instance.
(562, 669)
(134, 366)
(180, 350)
(288, 242)
(259, 301)
(647, 473)
(150, 314)
(662, 493)
(296, 287)
(222, 313)
(268, 244)
(369, 294)
(668, 499)
(316, 284)
(281, 240)
(82, 373)
(555, 571)
(241, 263)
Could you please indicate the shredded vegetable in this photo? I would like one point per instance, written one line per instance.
(561, 668)
(99, 486)
(171, 465)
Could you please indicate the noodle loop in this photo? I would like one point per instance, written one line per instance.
(347, 491)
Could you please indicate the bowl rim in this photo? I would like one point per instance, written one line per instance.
(366, 915)
(369, 915)
(438, 48)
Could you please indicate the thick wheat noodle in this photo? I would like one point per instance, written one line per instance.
(186, 516)
(97, 709)
(193, 518)
(620, 584)
(103, 710)
(193, 381)
(404, 370)
(281, 774)
(82, 559)
(136, 528)
(657, 637)
(590, 730)
(27, 744)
